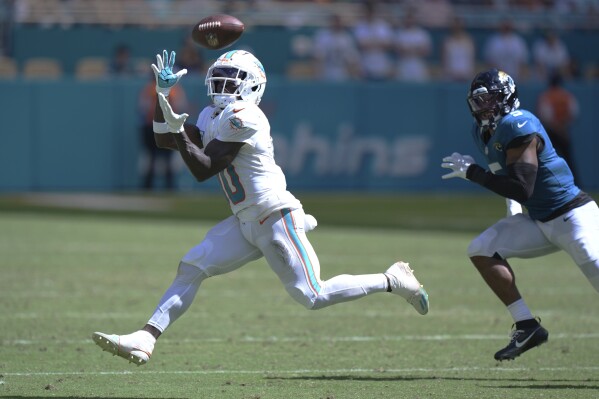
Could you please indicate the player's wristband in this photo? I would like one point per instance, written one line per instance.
(160, 127)
(164, 90)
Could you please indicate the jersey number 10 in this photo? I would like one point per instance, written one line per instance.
(229, 181)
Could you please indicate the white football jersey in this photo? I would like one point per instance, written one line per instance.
(254, 184)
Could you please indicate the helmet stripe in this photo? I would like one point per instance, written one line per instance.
(230, 54)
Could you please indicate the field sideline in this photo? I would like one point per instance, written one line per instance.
(78, 263)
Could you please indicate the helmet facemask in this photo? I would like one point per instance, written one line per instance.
(486, 107)
(224, 85)
(236, 75)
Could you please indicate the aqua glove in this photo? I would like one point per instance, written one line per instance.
(163, 71)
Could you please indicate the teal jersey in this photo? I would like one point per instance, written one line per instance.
(554, 186)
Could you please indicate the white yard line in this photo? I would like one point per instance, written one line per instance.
(307, 371)
(259, 340)
(97, 201)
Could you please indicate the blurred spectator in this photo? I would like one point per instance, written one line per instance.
(557, 109)
(413, 45)
(300, 65)
(530, 5)
(434, 13)
(335, 53)
(121, 63)
(374, 36)
(190, 57)
(458, 56)
(588, 7)
(551, 56)
(156, 161)
(7, 11)
(575, 69)
(506, 50)
(591, 71)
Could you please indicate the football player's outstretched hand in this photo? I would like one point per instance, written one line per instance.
(163, 71)
(458, 163)
(174, 121)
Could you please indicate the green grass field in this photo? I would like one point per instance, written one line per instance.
(67, 271)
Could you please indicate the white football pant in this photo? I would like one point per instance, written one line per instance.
(518, 236)
(281, 239)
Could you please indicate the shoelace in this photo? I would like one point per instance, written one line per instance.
(514, 334)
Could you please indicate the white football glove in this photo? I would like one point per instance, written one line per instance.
(163, 71)
(174, 121)
(458, 163)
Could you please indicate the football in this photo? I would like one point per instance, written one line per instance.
(217, 31)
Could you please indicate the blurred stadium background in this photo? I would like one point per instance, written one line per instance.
(70, 124)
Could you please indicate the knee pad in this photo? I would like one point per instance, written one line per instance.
(301, 297)
(189, 274)
(310, 223)
(482, 245)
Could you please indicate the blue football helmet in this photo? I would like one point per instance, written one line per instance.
(492, 95)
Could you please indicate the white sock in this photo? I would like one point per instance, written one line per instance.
(519, 311)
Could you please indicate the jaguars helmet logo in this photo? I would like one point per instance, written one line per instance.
(507, 81)
(498, 147)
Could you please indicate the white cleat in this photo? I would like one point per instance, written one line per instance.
(404, 283)
(136, 347)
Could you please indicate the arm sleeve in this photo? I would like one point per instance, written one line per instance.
(518, 185)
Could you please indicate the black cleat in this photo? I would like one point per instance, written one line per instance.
(523, 340)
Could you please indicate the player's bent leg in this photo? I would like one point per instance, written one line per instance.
(499, 276)
(310, 223)
(298, 268)
(136, 347)
(305, 286)
(499, 241)
(289, 253)
(346, 287)
(223, 250)
(577, 233)
(399, 279)
(591, 272)
(178, 297)
(283, 242)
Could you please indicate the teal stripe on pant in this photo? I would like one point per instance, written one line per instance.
(289, 225)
